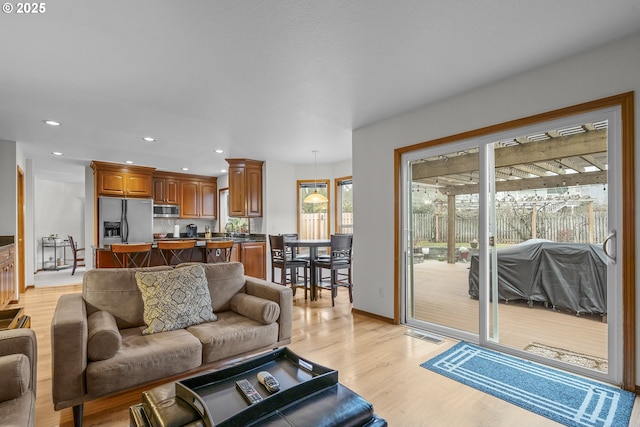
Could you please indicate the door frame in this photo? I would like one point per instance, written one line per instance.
(21, 221)
(625, 103)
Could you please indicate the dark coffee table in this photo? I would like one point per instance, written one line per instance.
(310, 395)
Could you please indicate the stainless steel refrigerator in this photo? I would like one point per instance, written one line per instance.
(125, 220)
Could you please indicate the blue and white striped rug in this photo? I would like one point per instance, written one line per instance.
(560, 396)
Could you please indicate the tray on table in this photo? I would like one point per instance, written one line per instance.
(215, 397)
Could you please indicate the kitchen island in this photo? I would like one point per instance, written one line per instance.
(248, 249)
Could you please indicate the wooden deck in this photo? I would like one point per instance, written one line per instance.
(441, 296)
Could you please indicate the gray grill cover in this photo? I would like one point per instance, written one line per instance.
(567, 276)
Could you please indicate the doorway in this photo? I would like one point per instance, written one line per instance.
(510, 240)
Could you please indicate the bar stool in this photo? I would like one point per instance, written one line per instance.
(218, 251)
(339, 259)
(176, 250)
(282, 258)
(133, 255)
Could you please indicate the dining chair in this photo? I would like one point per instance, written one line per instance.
(340, 257)
(176, 251)
(131, 255)
(78, 259)
(218, 251)
(282, 258)
(296, 253)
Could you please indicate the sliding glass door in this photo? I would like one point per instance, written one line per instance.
(510, 241)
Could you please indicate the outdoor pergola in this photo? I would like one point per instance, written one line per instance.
(559, 158)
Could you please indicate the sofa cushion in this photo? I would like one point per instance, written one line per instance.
(104, 338)
(144, 358)
(233, 334)
(115, 290)
(225, 279)
(255, 308)
(15, 372)
(175, 299)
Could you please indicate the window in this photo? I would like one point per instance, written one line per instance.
(344, 205)
(313, 218)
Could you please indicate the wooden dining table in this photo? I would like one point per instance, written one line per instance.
(313, 246)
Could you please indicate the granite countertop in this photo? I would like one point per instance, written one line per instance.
(201, 240)
(7, 240)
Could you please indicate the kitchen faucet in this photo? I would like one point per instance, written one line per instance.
(233, 228)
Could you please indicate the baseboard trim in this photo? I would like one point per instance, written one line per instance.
(372, 315)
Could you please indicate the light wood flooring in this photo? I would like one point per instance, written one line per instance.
(375, 359)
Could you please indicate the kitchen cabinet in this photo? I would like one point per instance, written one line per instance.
(198, 197)
(166, 189)
(253, 256)
(7, 274)
(245, 187)
(111, 179)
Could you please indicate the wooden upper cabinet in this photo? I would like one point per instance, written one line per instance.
(245, 187)
(166, 190)
(190, 204)
(124, 181)
(198, 198)
(208, 192)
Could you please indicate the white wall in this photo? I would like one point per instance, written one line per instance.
(8, 188)
(279, 198)
(601, 72)
(59, 209)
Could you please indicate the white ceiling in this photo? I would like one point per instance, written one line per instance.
(268, 79)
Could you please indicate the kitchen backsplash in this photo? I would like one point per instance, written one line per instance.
(165, 225)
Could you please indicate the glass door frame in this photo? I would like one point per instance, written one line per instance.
(621, 341)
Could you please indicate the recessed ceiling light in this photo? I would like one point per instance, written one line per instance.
(129, 162)
(185, 169)
(219, 151)
(149, 139)
(57, 153)
(52, 122)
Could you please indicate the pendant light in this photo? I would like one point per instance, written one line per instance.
(315, 197)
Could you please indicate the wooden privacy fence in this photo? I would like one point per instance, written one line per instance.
(314, 225)
(557, 227)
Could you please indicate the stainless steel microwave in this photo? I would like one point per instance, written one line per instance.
(166, 211)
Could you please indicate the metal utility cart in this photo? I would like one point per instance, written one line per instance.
(55, 263)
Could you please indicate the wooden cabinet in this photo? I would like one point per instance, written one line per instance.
(166, 190)
(7, 275)
(253, 256)
(119, 180)
(198, 198)
(245, 188)
(208, 194)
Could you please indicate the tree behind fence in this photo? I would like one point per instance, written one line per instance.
(558, 227)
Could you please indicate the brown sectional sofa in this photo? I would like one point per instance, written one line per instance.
(245, 324)
(18, 362)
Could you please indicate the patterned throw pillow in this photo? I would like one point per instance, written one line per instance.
(175, 299)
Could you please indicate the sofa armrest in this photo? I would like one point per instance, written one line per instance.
(279, 294)
(68, 350)
(22, 341)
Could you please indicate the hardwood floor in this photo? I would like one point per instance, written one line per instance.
(373, 358)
